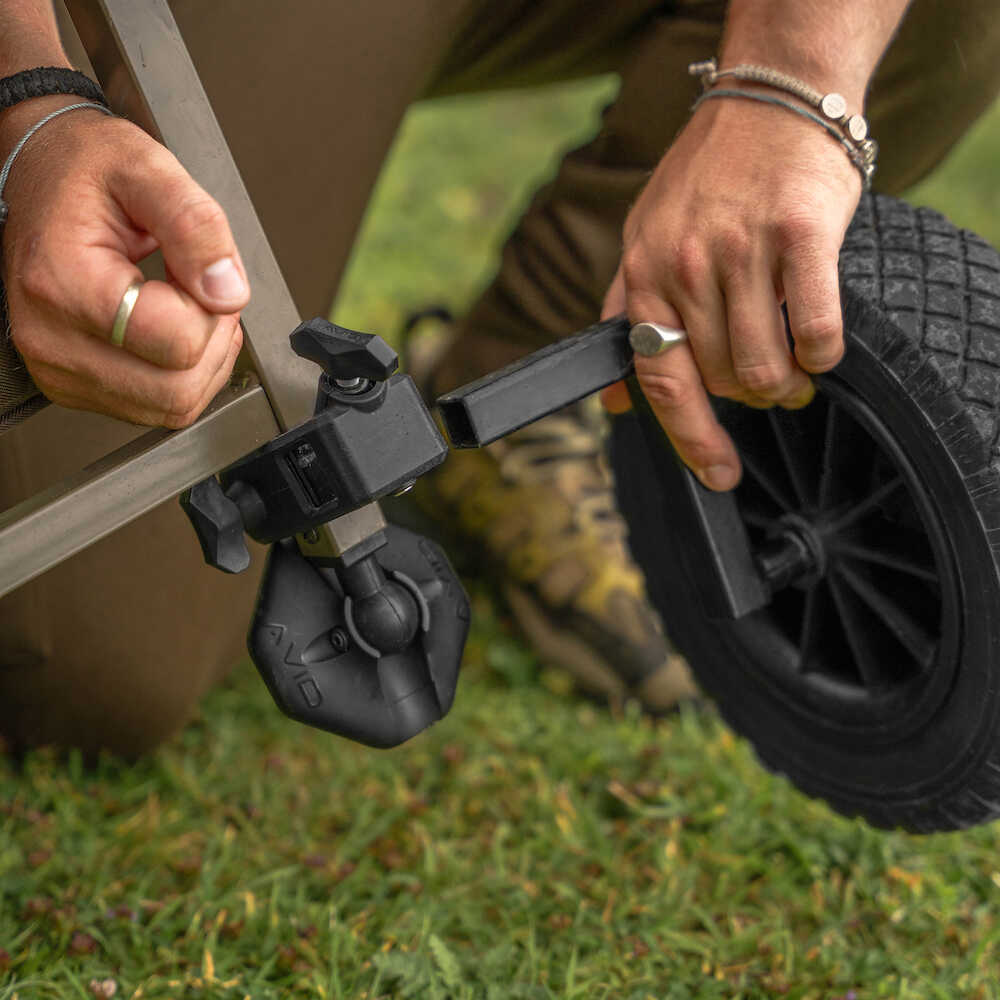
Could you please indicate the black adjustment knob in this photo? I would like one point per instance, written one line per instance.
(344, 354)
(218, 525)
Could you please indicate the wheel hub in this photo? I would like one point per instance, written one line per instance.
(851, 548)
(794, 554)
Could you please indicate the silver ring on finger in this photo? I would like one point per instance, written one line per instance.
(650, 339)
(124, 314)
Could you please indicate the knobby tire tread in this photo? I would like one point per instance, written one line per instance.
(922, 299)
(937, 289)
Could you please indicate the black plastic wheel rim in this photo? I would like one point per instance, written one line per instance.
(869, 635)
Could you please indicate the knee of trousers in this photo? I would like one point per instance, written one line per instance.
(113, 649)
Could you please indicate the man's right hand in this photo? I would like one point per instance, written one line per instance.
(89, 197)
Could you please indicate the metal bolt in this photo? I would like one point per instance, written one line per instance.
(340, 640)
(353, 386)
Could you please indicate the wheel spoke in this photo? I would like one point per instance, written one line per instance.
(908, 632)
(796, 432)
(901, 564)
(847, 459)
(867, 505)
(834, 420)
(767, 483)
(856, 627)
(864, 622)
(809, 634)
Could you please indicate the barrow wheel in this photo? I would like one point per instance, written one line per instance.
(872, 677)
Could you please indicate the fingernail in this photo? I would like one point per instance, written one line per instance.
(222, 280)
(718, 477)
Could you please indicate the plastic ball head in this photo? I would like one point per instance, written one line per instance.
(218, 524)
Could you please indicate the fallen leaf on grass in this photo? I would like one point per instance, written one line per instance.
(232, 930)
(912, 880)
(37, 906)
(639, 948)
(190, 864)
(82, 944)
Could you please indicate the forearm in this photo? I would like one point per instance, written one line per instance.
(829, 44)
(28, 36)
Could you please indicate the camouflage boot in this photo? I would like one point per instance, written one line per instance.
(535, 512)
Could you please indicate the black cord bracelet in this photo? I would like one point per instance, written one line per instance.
(45, 81)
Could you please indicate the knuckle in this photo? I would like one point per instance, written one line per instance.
(691, 265)
(818, 331)
(735, 250)
(721, 385)
(37, 278)
(145, 159)
(177, 422)
(795, 231)
(634, 266)
(198, 218)
(186, 350)
(27, 342)
(183, 405)
(160, 163)
(763, 378)
(53, 384)
(700, 452)
(666, 391)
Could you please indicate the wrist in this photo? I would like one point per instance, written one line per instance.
(29, 37)
(851, 84)
(834, 46)
(769, 135)
(15, 121)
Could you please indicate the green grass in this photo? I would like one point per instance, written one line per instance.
(460, 172)
(528, 846)
(967, 186)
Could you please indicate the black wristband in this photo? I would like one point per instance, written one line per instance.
(45, 81)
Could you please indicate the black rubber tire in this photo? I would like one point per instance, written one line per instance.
(921, 375)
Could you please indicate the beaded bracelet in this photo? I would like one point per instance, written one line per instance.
(852, 130)
(865, 169)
